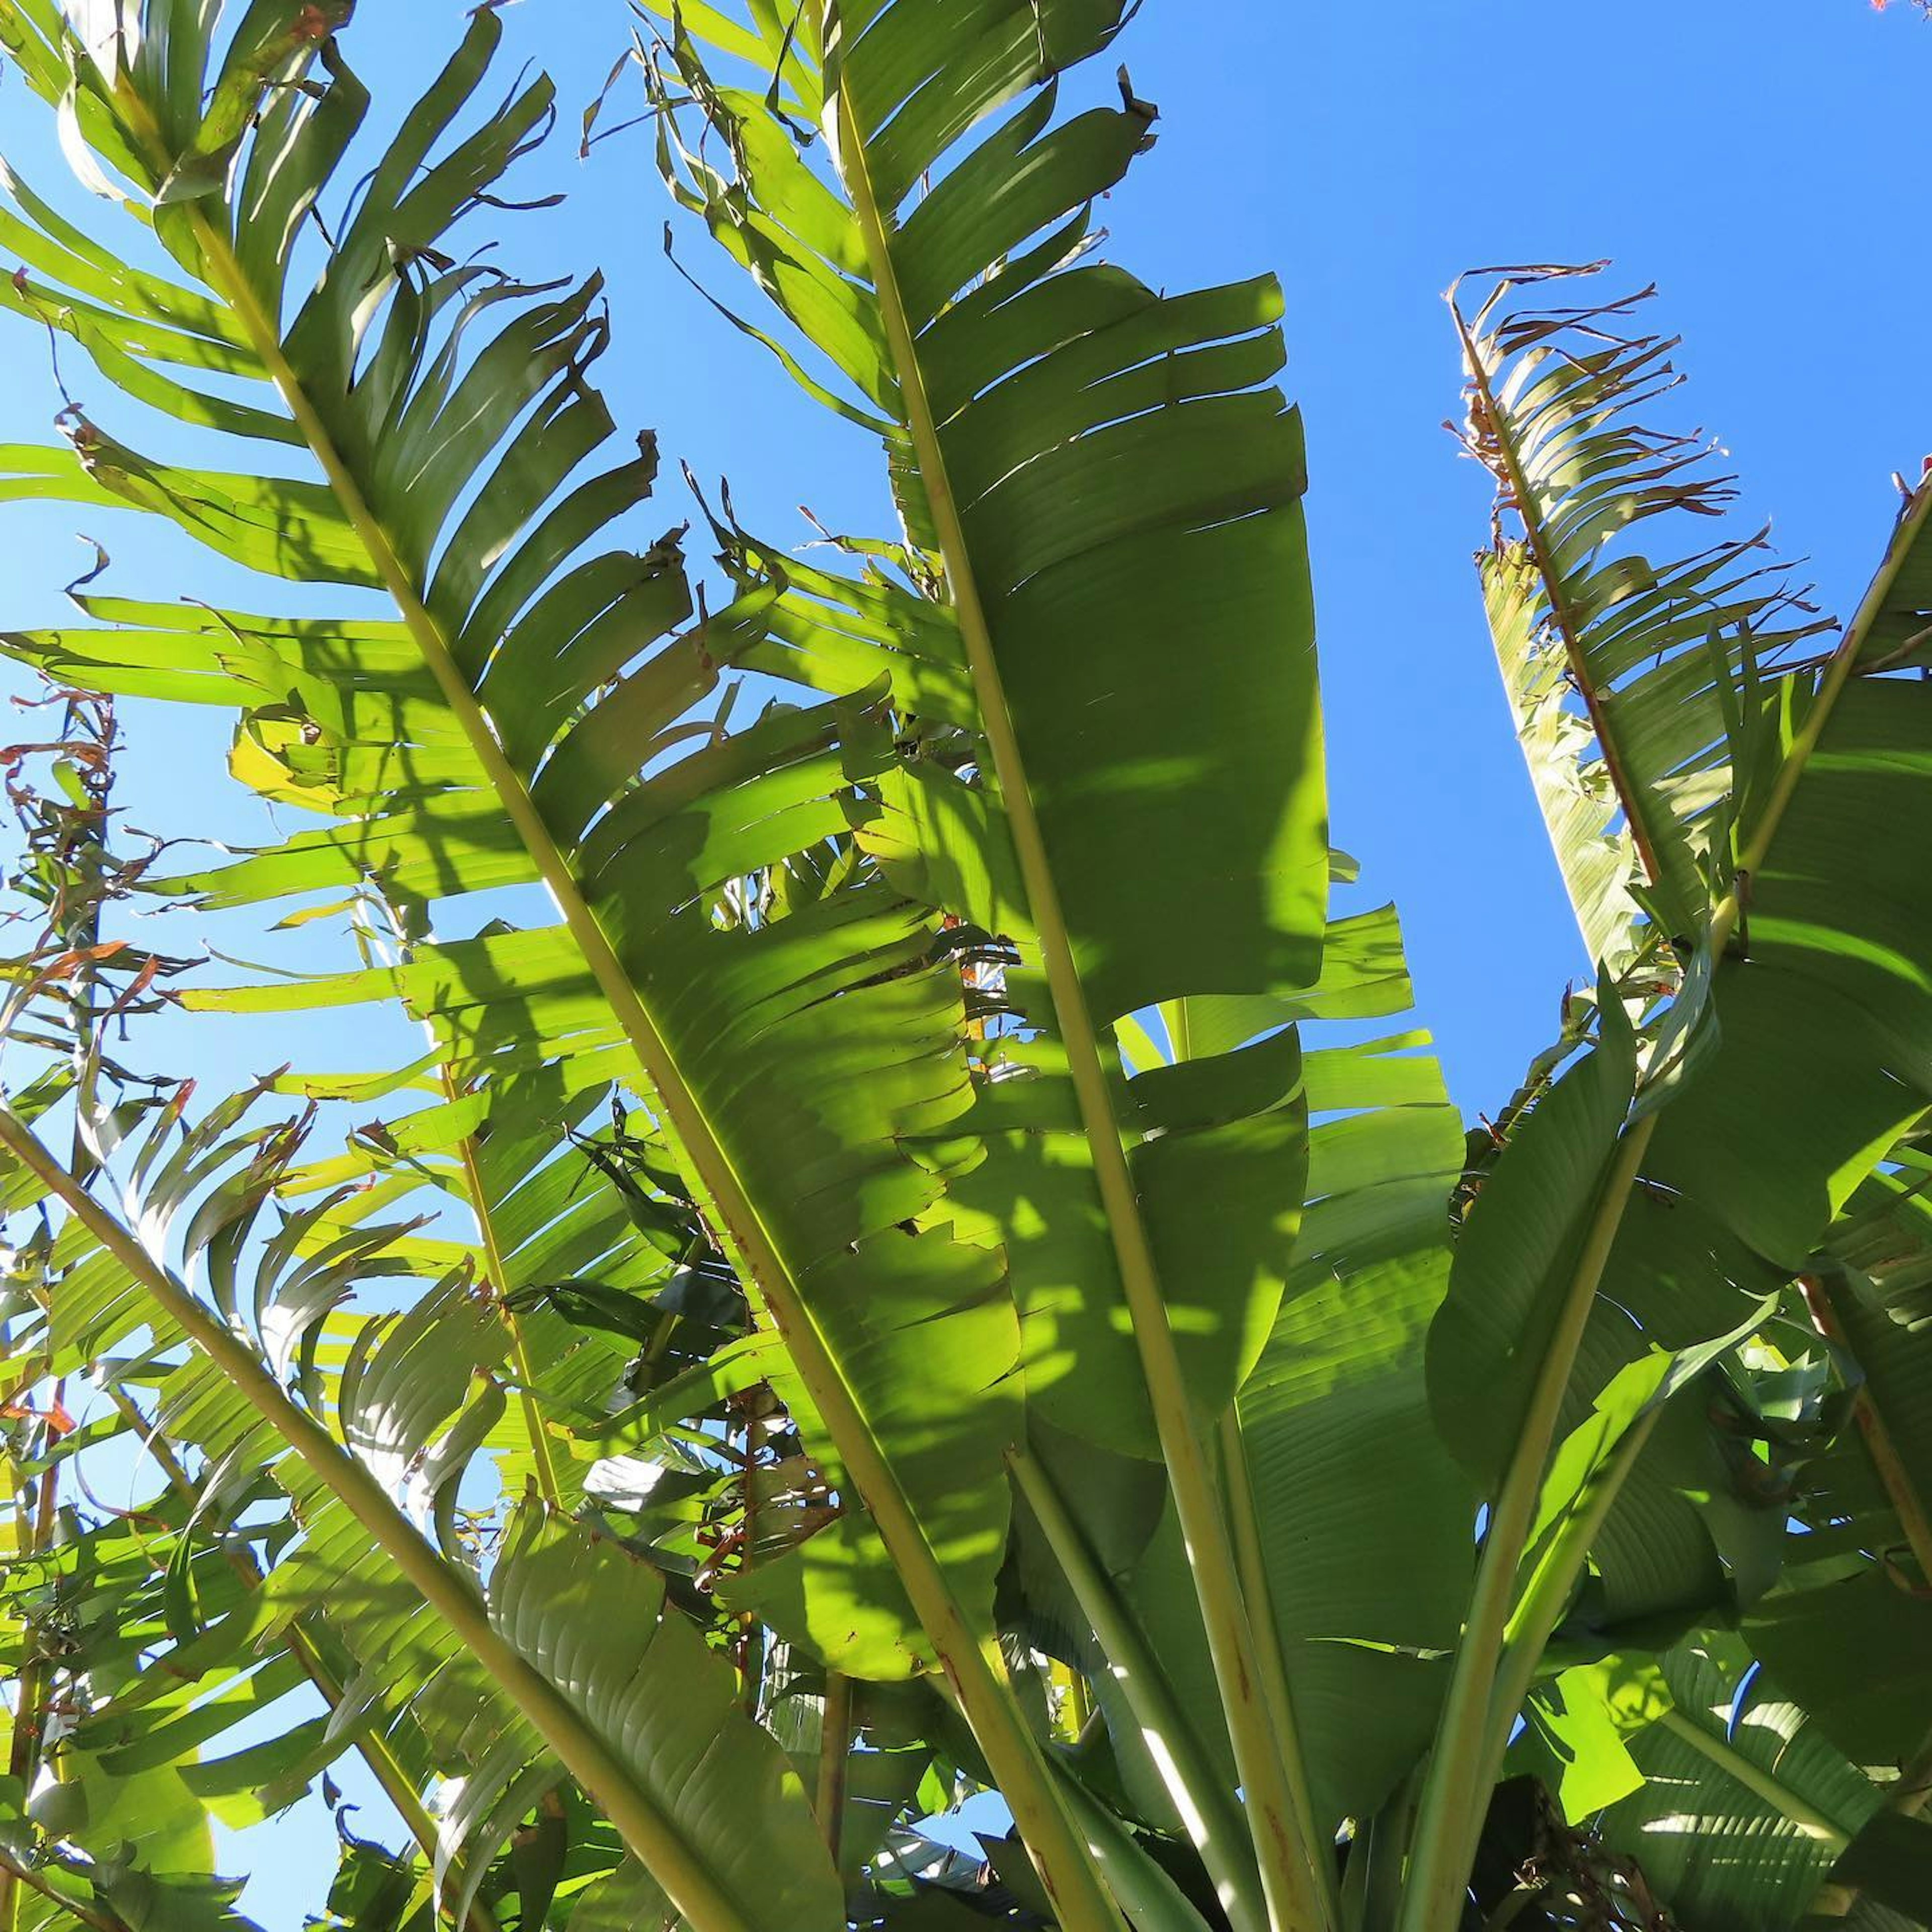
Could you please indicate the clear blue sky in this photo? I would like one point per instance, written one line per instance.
(1752, 160)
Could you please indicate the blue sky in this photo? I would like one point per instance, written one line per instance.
(1751, 160)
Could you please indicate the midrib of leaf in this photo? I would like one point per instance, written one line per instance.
(1844, 660)
(1629, 794)
(1453, 1802)
(1286, 1844)
(973, 1664)
(1277, 1694)
(371, 1745)
(679, 1868)
(1192, 1783)
(21, 1875)
(1451, 1811)
(1900, 1491)
(1758, 1782)
(1547, 1594)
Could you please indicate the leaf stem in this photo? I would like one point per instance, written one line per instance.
(1244, 1518)
(1453, 1800)
(1546, 1595)
(1198, 1794)
(834, 1747)
(1288, 1860)
(1153, 1902)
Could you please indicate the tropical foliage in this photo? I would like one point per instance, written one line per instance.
(935, 1262)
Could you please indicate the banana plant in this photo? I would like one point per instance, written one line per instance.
(921, 1223)
(490, 766)
(1084, 471)
(1719, 1167)
(485, 735)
